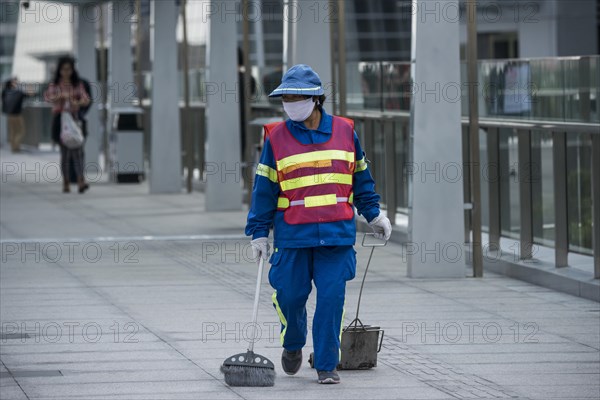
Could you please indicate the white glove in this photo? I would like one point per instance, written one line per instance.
(382, 227)
(260, 248)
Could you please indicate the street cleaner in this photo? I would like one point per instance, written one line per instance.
(312, 174)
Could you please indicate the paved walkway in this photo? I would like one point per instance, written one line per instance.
(117, 294)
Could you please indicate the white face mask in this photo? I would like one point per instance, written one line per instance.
(299, 110)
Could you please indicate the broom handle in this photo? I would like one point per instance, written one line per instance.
(261, 264)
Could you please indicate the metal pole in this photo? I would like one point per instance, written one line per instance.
(474, 137)
(342, 56)
(332, 27)
(246, 100)
(103, 85)
(287, 34)
(138, 49)
(257, 23)
(138, 58)
(187, 134)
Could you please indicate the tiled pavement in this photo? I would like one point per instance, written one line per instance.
(119, 294)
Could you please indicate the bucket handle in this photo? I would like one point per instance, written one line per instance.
(366, 243)
(355, 322)
(380, 340)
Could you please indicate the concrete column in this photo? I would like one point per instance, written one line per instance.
(436, 224)
(165, 152)
(223, 185)
(87, 67)
(308, 30)
(121, 85)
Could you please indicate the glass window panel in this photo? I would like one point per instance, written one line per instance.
(579, 193)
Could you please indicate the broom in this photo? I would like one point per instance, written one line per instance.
(249, 368)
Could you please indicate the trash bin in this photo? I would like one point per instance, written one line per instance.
(127, 145)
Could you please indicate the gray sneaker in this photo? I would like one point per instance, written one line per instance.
(291, 361)
(328, 377)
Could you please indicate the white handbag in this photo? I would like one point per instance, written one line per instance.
(70, 131)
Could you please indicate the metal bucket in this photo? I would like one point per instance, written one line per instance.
(359, 347)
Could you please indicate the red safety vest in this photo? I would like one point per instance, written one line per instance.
(315, 179)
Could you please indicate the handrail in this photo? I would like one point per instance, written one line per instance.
(571, 127)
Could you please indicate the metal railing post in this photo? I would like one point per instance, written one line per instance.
(466, 181)
(390, 169)
(526, 206)
(493, 180)
(561, 232)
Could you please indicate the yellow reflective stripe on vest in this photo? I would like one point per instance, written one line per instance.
(313, 180)
(267, 172)
(314, 164)
(361, 165)
(323, 200)
(351, 198)
(283, 202)
(315, 156)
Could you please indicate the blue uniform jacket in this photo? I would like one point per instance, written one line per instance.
(263, 212)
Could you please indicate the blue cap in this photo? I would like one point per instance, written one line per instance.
(300, 79)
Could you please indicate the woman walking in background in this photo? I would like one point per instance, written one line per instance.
(67, 93)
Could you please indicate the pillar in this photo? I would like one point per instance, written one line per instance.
(223, 169)
(165, 149)
(121, 85)
(436, 223)
(87, 67)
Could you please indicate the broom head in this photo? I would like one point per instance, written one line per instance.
(248, 369)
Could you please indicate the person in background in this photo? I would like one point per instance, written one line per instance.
(67, 93)
(12, 106)
(312, 176)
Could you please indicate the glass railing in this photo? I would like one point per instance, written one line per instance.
(557, 89)
(554, 89)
